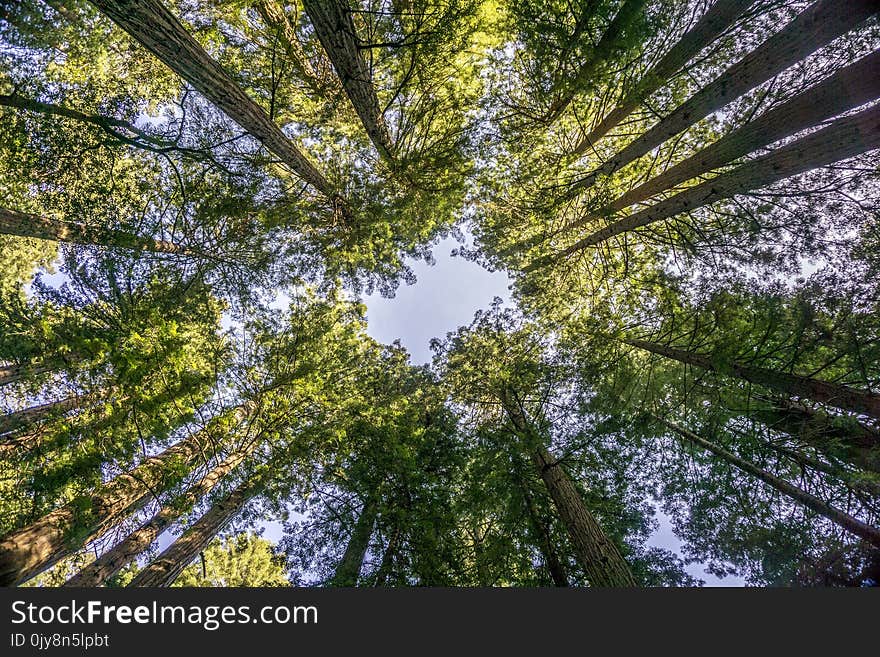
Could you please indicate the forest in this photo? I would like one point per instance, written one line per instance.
(197, 196)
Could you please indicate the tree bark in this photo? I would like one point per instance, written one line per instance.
(846, 137)
(815, 27)
(24, 440)
(336, 31)
(29, 416)
(602, 561)
(349, 569)
(388, 558)
(168, 565)
(112, 561)
(826, 392)
(847, 88)
(545, 544)
(844, 520)
(30, 550)
(275, 16)
(151, 24)
(23, 224)
(720, 16)
(13, 373)
(599, 556)
(608, 43)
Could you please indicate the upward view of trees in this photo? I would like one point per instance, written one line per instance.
(194, 198)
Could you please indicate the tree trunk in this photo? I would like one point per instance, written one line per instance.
(602, 561)
(13, 373)
(484, 577)
(177, 556)
(336, 31)
(34, 436)
(847, 88)
(604, 49)
(112, 561)
(151, 24)
(844, 520)
(857, 444)
(24, 440)
(34, 414)
(349, 569)
(275, 16)
(545, 544)
(30, 550)
(815, 27)
(388, 558)
(23, 224)
(826, 392)
(842, 139)
(721, 15)
(599, 556)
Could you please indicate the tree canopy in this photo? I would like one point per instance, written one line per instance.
(195, 197)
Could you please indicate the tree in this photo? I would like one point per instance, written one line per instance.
(847, 88)
(683, 193)
(240, 560)
(851, 524)
(845, 138)
(183, 55)
(516, 378)
(718, 18)
(819, 24)
(29, 550)
(336, 30)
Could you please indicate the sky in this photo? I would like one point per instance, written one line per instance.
(445, 296)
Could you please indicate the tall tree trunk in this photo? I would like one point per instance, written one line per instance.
(35, 436)
(826, 392)
(844, 520)
(847, 88)
(336, 31)
(484, 577)
(599, 556)
(13, 373)
(545, 544)
(712, 24)
(388, 558)
(24, 224)
(30, 416)
(815, 27)
(151, 24)
(608, 43)
(275, 16)
(602, 561)
(349, 569)
(846, 137)
(168, 565)
(856, 444)
(112, 561)
(18, 441)
(30, 550)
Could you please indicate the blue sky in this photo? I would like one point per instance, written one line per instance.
(445, 297)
